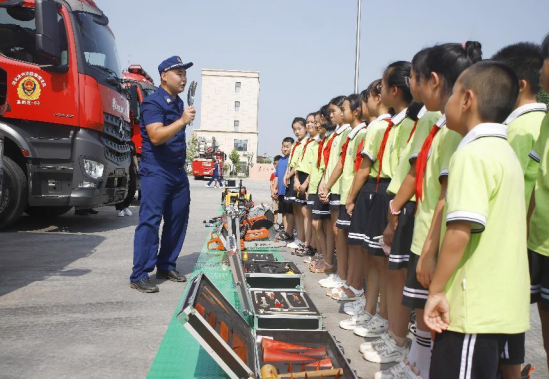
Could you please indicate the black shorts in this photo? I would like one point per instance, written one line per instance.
(283, 206)
(290, 193)
(402, 240)
(457, 355)
(335, 201)
(300, 198)
(414, 294)
(321, 211)
(539, 279)
(359, 220)
(377, 219)
(514, 350)
(311, 200)
(343, 219)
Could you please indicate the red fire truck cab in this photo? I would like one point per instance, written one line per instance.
(66, 120)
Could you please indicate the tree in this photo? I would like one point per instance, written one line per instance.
(235, 159)
(543, 97)
(192, 147)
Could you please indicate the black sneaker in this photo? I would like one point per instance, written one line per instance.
(170, 275)
(144, 285)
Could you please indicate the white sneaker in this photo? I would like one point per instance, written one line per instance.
(332, 282)
(295, 244)
(369, 345)
(121, 213)
(373, 328)
(399, 371)
(127, 212)
(208, 185)
(353, 307)
(351, 323)
(388, 352)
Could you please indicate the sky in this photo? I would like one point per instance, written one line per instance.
(305, 49)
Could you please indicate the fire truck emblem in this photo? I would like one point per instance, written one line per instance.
(29, 88)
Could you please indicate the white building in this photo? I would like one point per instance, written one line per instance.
(229, 110)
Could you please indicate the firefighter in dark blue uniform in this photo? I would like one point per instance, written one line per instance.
(164, 184)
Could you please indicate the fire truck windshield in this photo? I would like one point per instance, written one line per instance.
(18, 35)
(98, 45)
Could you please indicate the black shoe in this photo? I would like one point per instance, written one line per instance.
(144, 285)
(170, 275)
(93, 211)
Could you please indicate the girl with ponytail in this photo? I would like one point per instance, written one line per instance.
(437, 74)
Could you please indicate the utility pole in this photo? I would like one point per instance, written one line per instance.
(357, 57)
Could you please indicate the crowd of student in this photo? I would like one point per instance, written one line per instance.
(431, 186)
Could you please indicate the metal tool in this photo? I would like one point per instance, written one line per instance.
(290, 306)
(190, 95)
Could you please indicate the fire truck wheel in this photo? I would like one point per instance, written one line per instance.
(46, 212)
(15, 194)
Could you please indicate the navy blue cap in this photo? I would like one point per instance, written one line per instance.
(172, 63)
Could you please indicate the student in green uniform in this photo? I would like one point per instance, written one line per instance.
(395, 93)
(439, 72)
(524, 123)
(478, 297)
(332, 196)
(312, 192)
(538, 215)
(358, 205)
(344, 173)
(321, 211)
(306, 166)
(298, 127)
(399, 231)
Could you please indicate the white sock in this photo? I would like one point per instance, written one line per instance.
(420, 352)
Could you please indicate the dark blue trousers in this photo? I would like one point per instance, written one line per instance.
(164, 195)
(215, 177)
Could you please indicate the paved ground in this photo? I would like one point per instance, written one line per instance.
(66, 309)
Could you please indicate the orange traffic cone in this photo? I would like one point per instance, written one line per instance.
(279, 345)
(272, 355)
(316, 352)
(325, 364)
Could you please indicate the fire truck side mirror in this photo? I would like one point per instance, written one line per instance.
(134, 105)
(47, 31)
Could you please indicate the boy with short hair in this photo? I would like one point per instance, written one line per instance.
(538, 215)
(274, 189)
(478, 298)
(284, 208)
(524, 123)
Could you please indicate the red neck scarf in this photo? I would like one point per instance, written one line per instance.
(421, 162)
(344, 150)
(293, 150)
(358, 158)
(320, 146)
(305, 147)
(382, 149)
(413, 131)
(329, 148)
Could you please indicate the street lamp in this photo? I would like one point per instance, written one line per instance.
(357, 56)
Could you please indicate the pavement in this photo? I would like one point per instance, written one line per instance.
(67, 311)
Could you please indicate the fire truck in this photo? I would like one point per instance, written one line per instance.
(140, 85)
(208, 152)
(64, 114)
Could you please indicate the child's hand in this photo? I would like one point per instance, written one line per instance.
(437, 312)
(350, 207)
(389, 232)
(303, 188)
(426, 269)
(296, 185)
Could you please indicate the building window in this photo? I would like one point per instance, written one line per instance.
(241, 144)
(237, 87)
(236, 125)
(237, 106)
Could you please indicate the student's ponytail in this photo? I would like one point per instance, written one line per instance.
(395, 76)
(449, 61)
(413, 111)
